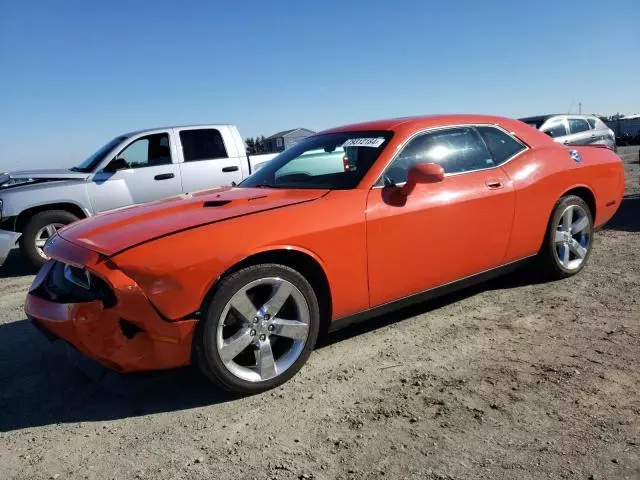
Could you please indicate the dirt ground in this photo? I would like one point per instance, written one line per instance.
(512, 379)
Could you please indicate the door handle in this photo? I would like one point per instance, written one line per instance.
(494, 184)
(164, 176)
(230, 169)
(593, 135)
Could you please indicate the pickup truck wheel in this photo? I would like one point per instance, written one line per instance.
(569, 238)
(38, 230)
(258, 329)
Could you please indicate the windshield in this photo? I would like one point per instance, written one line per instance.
(90, 164)
(336, 161)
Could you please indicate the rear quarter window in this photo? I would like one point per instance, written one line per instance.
(501, 145)
(203, 144)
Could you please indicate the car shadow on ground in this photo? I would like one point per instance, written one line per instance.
(15, 266)
(41, 386)
(627, 218)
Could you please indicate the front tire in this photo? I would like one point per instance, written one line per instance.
(569, 238)
(258, 329)
(38, 230)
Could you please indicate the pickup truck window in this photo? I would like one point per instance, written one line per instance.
(204, 144)
(91, 163)
(147, 151)
(336, 161)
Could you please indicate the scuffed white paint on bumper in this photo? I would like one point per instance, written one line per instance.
(7, 242)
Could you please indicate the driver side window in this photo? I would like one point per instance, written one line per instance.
(147, 151)
(458, 150)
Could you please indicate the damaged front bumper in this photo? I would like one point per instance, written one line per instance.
(113, 322)
(8, 241)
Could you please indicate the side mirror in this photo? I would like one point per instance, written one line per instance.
(115, 165)
(422, 173)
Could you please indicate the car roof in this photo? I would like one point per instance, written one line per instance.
(407, 126)
(543, 118)
(196, 125)
(424, 121)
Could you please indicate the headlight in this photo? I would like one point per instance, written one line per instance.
(77, 276)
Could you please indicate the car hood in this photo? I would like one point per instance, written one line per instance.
(25, 177)
(113, 232)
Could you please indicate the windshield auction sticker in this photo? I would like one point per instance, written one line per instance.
(374, 142)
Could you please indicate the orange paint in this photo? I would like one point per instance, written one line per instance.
(374, 244)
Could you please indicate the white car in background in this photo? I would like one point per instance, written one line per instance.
(574, 129)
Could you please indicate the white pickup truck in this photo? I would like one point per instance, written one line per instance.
(133, 168)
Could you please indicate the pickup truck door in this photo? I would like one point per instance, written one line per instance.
(143, 171)
(210, 158)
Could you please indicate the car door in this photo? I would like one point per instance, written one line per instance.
(580, 132)
(209, 158)
(141, 172)
(444, 231)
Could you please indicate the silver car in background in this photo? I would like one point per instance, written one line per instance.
(574, 129)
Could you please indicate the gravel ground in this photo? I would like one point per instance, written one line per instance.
(513, 379)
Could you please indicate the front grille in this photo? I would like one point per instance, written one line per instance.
(56, 288)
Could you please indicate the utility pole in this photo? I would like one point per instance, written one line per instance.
(580, 107)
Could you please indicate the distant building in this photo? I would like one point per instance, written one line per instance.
(282, 140)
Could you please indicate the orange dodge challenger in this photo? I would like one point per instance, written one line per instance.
(344, 225)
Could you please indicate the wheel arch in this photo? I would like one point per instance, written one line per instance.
(25, 215)
(586, 194)
(303, 261)
(581, 191)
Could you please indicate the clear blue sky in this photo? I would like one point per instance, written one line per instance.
(75, 74)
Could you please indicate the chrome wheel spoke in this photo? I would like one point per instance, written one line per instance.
(290, 329)
(579, 225)
(44, 234)
(560, 236)
(577, 249)
(265, 363)
(242, 304)
(567, 219)
(234, 345)
(280, 295)
(51, 230)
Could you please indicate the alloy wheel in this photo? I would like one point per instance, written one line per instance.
(44, 234)
(572, 237)
(263, 329)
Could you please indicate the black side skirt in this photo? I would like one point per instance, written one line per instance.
(426, 295)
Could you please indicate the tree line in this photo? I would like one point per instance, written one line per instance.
(256, 145)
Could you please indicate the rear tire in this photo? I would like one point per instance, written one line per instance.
(37, 229)
(569, 239)
(233, 341)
